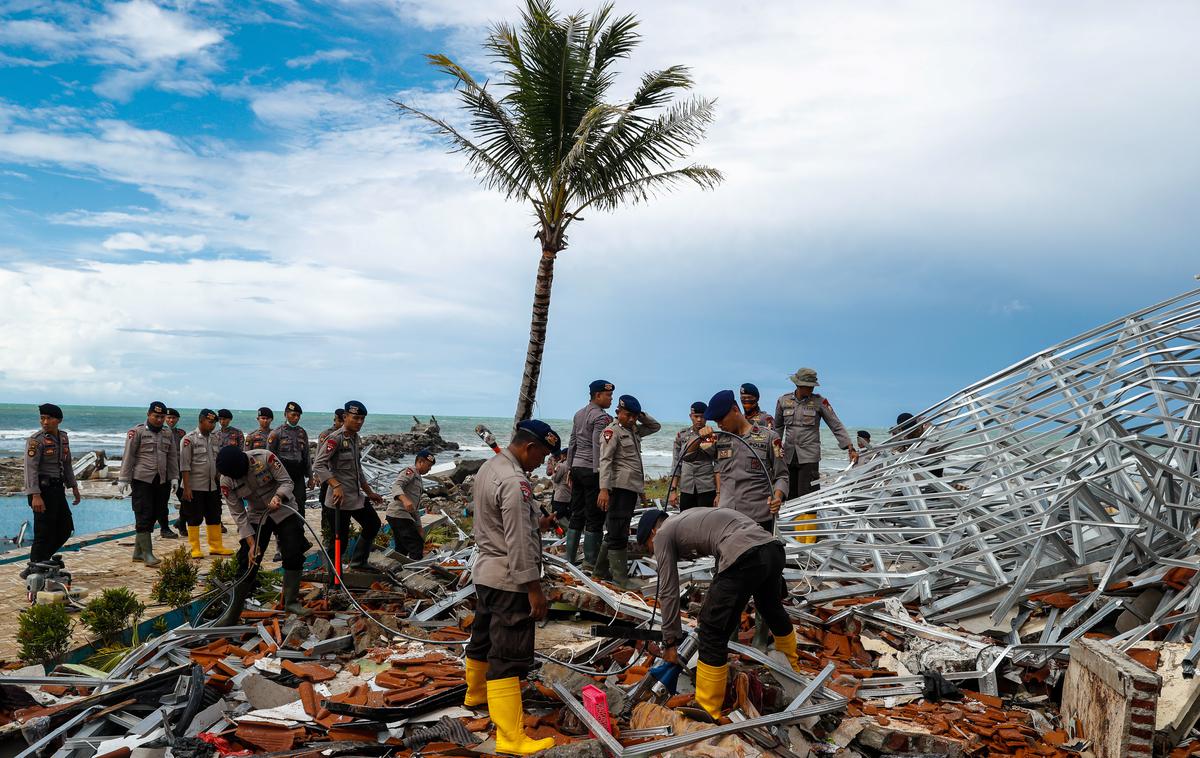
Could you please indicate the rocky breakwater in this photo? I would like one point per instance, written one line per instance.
(396, 447)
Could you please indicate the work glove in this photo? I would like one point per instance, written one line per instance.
(123, 489)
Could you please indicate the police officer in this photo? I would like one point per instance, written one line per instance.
(339, 414)
(753, 476)
(150, 470)
(228, 434)
(560, 476)
(257, 439)
(404, 514)
(582, 459)
(339, 465)
(508, 588)
(164, 515)
(622, 482)
(696, 483)
(48, 472)
(258, 492)
(755, 415)
(289, 443)
(201, 501)
(751, 565)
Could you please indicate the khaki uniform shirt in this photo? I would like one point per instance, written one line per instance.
(290, 443)
(695, 476)
(231, 435)
(745, 485)
(149, 454)
(799, 421)
(339, 459)
(621, 454)
(248, 498)
(47, 456)
(562, 483)
(409, 483)
(693, 534)
(506, 526)
(198, 457)
(589, 422)
(257, 439)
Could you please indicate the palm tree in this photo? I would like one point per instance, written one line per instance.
(549, 138)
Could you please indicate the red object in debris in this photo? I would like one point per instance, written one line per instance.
(596, 703)
(224, 747)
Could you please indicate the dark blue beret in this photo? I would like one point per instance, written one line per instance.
(292, 406)
(864, 434)
(225, 413)
(720, 405)
(265, 411)
(699, 406)
(750, 389)
(156, 407)
(646, 524)
(424, 453)
(629, 403)
(544, 434)
(600, 385)
(209, 414)
(355, 407)
(232, 462)
(172, 413)
(51, 410)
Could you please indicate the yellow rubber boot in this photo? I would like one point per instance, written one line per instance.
(787, 646)
(215, 545)
(710, 687)
(804, 539)
(504, 706)
(476, 683)
(194, 541)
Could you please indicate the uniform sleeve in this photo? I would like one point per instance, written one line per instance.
(667, 562)
(33, 454)
(132, 443)
(703, 450)
(647, 425)
(402, 481)
(185, 456)
(173, 458)
(676, 452)
(305, 455)
(571, 444)
(524, 548)
(238, 439)
(835, 424)
(236, 507)
(283, 482)
(768, 420)
(602, 422)
(273, 441)
(778, 417)
(779, 469)
(68, 466)
(323, 465)
(608, 458)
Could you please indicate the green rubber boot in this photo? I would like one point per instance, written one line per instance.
(591, 546)
(233, 614)
(291, 593)
(147, 550)
(761, 633)
(572, 545)
(618, 566)
(601, 570)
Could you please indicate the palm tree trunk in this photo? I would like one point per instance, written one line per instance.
(537, 337)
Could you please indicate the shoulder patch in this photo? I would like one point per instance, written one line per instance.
(526, 491)
(131, 433)
(409, 471)
(608, 433)
(271, 459)
(186, 442)
(33, 446)
(330, 445)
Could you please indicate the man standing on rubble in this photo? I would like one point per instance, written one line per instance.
(256, 487)
(508, 588)
(48, 472)
(257, 439)
(404, 512)
(754, 414)
(751, 565)
(695, 484)
(289, 443)
(149, 471)
(228, 434)
(583, 460)
(201, 500)
(339, 465)
(622, 482)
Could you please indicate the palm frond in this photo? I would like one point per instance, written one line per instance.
(645, 187)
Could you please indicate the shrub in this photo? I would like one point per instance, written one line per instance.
(111, 612)
(177, 577)
(44, 633)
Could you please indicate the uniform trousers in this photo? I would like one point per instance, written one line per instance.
(368, 524)
(292, 544)
(406, 537)
(562, 510)
(696, 499)
(803, 478)
(757, 573)
(620, 512)
(295, 470)
(148, 498)
(203, 508)
(54, 524)
(163, 514)
(502, 632)
(585, 488)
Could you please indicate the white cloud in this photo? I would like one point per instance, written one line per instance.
(151, 33)
(155, 243)
(323, 56)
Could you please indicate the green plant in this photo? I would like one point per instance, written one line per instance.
(222, 571)
(111, 612)
(551, 140)
(44, 633)
(107, 658)
(267, 589)
(177, 578)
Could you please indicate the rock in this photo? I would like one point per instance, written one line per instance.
(462, 469)
(394, 447)
(261, 692)
(583, 749)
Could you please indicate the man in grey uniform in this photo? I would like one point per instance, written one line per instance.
(339, 465)
(560, 477)
(622, 482)
(201, 501)
(752, 566)
(256, 487)
(257, 439)
(508, 587)
(750, 409)
(164, 513)
(48, 472)
(695, 484)
(587, 519)
(228, 434)
(149, 470)
(404, 512)
(289, 443)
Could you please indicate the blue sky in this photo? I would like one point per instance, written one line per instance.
(213, 203)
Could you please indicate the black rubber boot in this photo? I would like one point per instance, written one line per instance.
(233, 614)
(291, 593)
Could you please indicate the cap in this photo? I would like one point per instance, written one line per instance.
(863, 433)
(805, 377)
(600, 385)
(699, 406)
(902, 418)
(648, 521)
(225, 413)
(629, 403)
(424, 453)
(749, 389)
(232, 462)
(265, 411)
(51, 410)
(156, 407)
(292, 406)
(544, 434)
(172, 413)
(355, 407)
(209, 414)
(720, 405)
